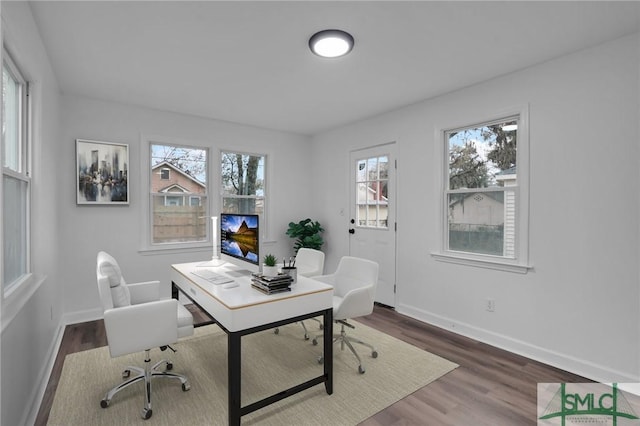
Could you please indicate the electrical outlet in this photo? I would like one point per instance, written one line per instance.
(490, 304)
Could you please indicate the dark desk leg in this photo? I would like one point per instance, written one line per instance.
(234, 376)
(328, 350)
(174, 290)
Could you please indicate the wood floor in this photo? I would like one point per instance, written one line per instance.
(491, 387)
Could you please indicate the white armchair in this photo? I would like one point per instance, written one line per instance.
(138, 317)
(354, 288)
(309, 262)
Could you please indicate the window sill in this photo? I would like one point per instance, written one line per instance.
(482, 263)
(173, 250)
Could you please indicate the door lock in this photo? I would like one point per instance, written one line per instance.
(352, 231)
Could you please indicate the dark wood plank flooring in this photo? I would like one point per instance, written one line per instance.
(491, 386)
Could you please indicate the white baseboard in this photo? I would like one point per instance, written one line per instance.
(43, 377)
(45, 373)
(82, 316)
(565, 362)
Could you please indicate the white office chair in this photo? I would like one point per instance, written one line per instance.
(354, 287)
(138, 317)
(309, 263)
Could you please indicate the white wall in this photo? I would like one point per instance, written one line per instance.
(31, 315)
(116, 229)
(579, 307)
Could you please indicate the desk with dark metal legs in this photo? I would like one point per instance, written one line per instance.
(244, 310)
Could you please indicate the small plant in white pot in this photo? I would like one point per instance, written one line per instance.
(269, 267)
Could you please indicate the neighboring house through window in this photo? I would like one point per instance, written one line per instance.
(372, 179)
(485, 209)
(179, 206)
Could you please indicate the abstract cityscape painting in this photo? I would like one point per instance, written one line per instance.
(102, 173)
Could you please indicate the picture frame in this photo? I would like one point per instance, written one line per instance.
(102, 170)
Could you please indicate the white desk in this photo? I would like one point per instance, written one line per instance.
(244, 310)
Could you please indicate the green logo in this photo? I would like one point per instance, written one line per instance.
(588, 403)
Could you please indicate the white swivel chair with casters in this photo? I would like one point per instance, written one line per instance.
(309, 263)
(354, 288)
(138, 317)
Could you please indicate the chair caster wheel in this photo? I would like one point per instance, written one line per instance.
(146, 414)
(170, 366)
(276, 331)
(320, 359)
(306, 337)
(186, 387)
(315, 342)
(104, 403)
(361, 369)
(374, 354)
(126, 374)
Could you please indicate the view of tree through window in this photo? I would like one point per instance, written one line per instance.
(482, 187)
(178, 194)
(243, 183)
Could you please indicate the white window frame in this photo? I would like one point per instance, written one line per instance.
(174, 200)
(519, 264)
(22, 175)
(147, 247)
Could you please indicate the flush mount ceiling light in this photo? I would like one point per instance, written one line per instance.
(331, 43)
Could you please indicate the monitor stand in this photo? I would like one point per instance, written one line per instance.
(213, 263)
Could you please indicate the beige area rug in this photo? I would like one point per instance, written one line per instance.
(270, 363)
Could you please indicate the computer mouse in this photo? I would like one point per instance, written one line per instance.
(230, 285)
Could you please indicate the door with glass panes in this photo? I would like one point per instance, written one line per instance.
(372, 224)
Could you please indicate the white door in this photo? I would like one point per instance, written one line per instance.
(372, 226)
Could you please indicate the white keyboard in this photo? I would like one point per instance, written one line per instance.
(212, 277)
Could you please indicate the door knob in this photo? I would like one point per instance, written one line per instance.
(352, 231)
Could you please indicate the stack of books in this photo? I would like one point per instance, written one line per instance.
(271, 285)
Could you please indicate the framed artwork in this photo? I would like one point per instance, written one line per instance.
(102, 170)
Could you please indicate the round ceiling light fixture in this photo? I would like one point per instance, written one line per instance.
(331, 43)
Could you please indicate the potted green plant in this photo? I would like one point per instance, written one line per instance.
(269, 267)
(307, 234)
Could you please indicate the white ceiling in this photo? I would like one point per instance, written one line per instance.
(248, 62)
